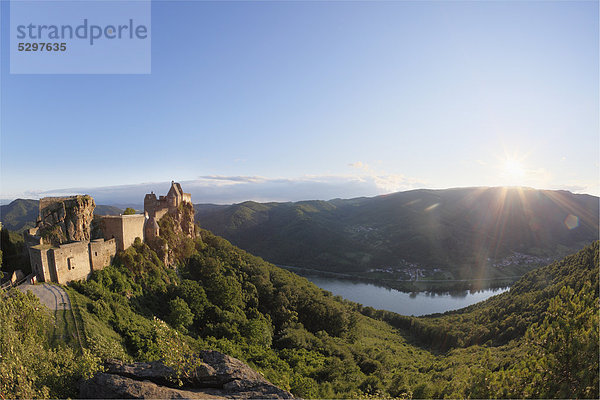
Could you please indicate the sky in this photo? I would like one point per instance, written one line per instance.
(283, 100)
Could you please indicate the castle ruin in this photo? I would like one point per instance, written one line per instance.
(61, 248)
(155, 209)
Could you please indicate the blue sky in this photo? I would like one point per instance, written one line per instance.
(302, 100)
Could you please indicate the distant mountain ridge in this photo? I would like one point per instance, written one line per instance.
(445, 228)
(22, 213)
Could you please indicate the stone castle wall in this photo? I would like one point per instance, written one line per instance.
(112, 228)
(123, 228)
(159, 213)
(59, 246)
(133, 227)
(72, 261)
(40, 262)
(155, 207)
(158, 207)
(102, 253)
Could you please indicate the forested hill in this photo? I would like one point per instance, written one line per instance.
(22, 213)
(506, 316)
(19, 214)
(302, 338)
(464, 226)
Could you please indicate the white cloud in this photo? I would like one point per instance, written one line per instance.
(223, 189)
(384, 181)
(360, 165)
(396, 183)
(234, 189)
(592, 188)
(230, 180)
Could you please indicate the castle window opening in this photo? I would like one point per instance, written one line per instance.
(70, 263)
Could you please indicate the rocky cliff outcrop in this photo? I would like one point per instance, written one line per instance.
(66, 219)
(177, 234)
(217, 376)
(184, 219)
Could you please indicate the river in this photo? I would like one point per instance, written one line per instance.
(416, 304)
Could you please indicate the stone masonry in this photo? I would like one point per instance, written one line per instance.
(124, 228)
(155, 209)
(60, 249)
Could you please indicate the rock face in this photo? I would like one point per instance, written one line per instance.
(183, 222)
(66, 219)
(218, 376)
(170, 223)
(177, 231)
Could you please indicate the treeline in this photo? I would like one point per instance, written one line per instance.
(13, 254)
(355, 235)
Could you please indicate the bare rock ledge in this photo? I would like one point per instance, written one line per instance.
(219, 376)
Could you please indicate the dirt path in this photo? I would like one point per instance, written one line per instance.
(52, 296)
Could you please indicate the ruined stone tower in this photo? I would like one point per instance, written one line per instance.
(156, 208)
(178, 206)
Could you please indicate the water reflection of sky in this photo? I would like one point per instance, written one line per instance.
(421, 303)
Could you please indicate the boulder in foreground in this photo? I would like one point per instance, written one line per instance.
(218, 376)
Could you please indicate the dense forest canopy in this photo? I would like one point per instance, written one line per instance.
(518, 344)
(461, 230)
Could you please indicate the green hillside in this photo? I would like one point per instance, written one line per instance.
(506, 316)
(305, 340)
(469, 232)
(22, 213)
(107, 210)
(19, 214)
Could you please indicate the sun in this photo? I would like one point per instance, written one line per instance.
(513, 168)
(512, 172)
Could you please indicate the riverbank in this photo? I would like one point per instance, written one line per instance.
(424, 285)
(400, 302)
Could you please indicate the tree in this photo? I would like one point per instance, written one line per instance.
(561, 357)
(30, 367)
(567, 345)
(129, 211)
(258, 331)
(225, 292)
(0, 252)
(180, 315)
(194, 296)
